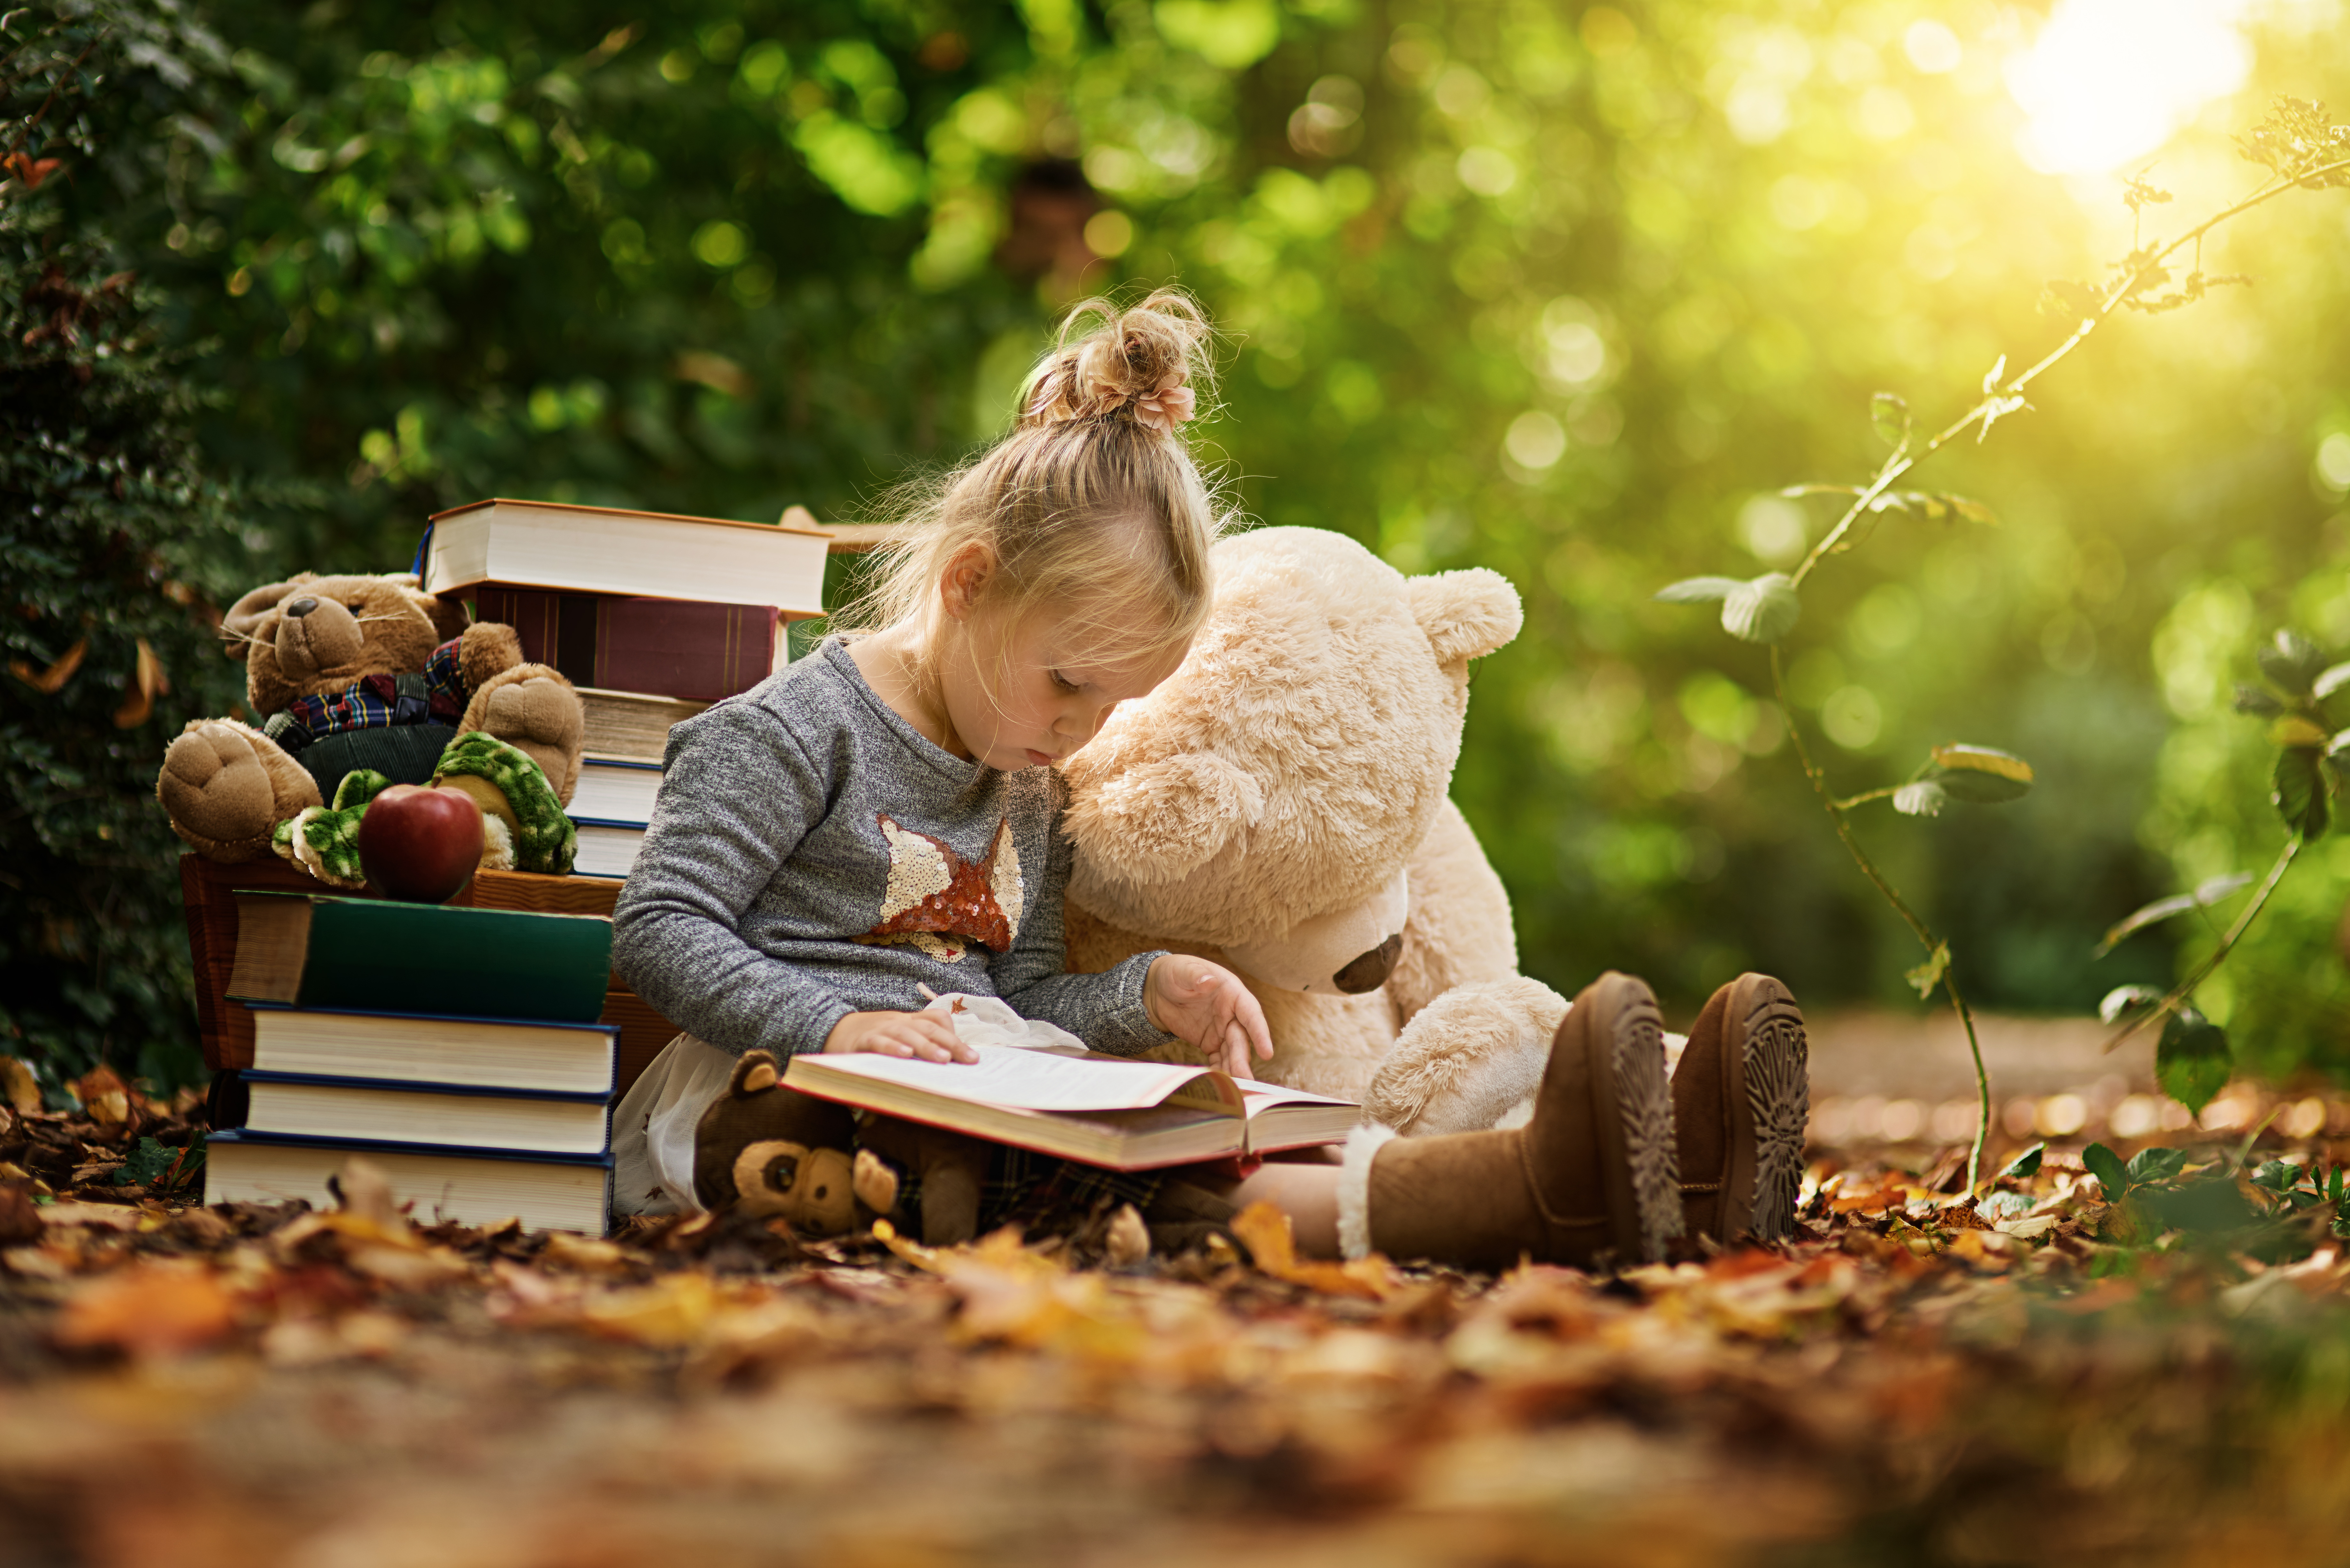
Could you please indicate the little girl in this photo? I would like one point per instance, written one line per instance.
(880, 823)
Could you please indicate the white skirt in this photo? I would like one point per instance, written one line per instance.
(652, 1127)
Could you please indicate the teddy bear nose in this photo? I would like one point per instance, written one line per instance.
(1370, 971)
(302, 606)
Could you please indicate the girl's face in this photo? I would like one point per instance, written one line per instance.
(1026, 696)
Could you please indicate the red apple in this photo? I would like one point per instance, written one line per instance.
(420, 845)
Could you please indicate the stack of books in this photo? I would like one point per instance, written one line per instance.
(652, 617)
(458, 1049)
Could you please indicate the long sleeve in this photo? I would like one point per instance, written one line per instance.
(1106, 1010)
(737, 798)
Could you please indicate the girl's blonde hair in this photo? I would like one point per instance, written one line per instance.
(1093, 505)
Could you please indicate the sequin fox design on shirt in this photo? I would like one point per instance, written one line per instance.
(936, 900)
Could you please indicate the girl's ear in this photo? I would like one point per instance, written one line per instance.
(1466, 615)
(966, 580)
(1162, 820)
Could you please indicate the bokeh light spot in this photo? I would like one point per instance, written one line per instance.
(1535, 440)
(1852, 718)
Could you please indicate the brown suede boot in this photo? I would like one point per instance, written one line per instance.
(1589, 1180)
(1741, 1100)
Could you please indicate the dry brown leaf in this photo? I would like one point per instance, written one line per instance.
(50, 682)
(565, 1250)
(19, 1088)
(105, 1097)
(1265, 1230)
(20, 1218)
(148, 1309)
(365, 1193)
(1129, 1242)
(148, 682)
(672, 1310)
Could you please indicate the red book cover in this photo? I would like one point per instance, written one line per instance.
(668, 648)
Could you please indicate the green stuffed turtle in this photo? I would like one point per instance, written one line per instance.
(524, 826)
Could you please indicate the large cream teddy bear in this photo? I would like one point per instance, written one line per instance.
(1279, 806)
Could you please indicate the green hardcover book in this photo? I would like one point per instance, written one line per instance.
(314, 950)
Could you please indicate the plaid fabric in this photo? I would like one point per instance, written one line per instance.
(376, 702)
(1041, 1192)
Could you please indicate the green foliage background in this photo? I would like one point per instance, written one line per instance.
(723, 257)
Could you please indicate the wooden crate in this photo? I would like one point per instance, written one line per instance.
(209, 891)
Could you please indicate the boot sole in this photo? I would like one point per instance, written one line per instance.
(1767, 1073)
(1633, 1113)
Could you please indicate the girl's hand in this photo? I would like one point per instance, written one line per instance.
(1206, 1004)
(923, 1035)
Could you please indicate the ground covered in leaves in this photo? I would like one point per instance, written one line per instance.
(2141, 1348)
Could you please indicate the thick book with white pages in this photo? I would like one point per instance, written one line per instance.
(615, 791)
(629, 726)
(605, 848)
(468, 1186)
(418, 1048)
(440, 1115)
(1097, 1110)
(647, 555)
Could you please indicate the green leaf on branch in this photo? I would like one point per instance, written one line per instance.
(1699, 590)
(2107, 1167)
(2025, 1166)
(1890, 412)
(2193, 1061)
(1980, 775)
(2206, 893)
(2332, 678)
(1922, 799)
(2292, 661)
(2258, 701)
(2298, 791)
(1973, 511)
(2148, 1166)
(2126, 999)
(1763, 610)
(1928, 975)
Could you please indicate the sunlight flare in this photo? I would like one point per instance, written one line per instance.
(2108, 81)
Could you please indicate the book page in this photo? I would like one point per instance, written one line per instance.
(1256, 1096)
(1028, 1080)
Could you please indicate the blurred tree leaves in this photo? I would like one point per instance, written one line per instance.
(1573, 295)
(108, 521)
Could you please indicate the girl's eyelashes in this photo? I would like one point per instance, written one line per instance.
(1062, 682)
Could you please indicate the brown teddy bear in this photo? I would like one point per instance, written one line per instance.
(772, 1150)
(364, 674)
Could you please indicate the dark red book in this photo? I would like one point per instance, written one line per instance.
(669, 648)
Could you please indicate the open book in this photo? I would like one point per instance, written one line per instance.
(1100, 1110)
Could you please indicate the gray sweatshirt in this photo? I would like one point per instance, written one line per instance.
(811, 856)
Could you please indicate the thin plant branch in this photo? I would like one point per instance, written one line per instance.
(1918, 926)
(2177, 996)
(2007, 399)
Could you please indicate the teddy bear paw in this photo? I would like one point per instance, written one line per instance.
(218, 791)
(536, 710)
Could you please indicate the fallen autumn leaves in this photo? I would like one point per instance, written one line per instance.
(1916, 1378)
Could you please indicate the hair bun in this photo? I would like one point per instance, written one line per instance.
(1146, 364)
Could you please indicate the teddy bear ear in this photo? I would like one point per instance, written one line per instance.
(449, 616)
(242, 623)
(1466, 615)
(1162, 820)
(754, 1071)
